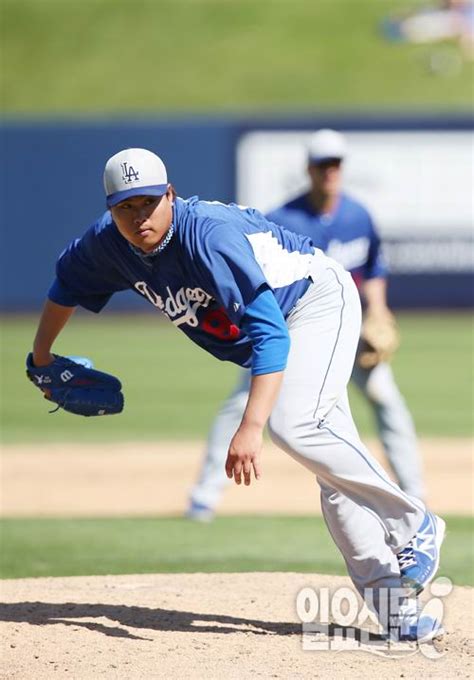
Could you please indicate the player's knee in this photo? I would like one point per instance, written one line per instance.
(285, 430)
(382, 394)
(381, 388)
(373, 394)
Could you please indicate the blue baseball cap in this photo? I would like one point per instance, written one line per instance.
(134, 172)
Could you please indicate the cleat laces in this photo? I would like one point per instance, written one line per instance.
(406, 557)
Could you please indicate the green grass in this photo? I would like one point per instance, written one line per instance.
(103, 56)
(65, 547)
(173, 388)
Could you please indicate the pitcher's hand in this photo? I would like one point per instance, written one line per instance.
(244, 454)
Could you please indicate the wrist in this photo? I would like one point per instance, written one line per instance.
(252, 424)
(42, 358)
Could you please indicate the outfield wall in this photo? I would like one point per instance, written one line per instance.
(416, 175)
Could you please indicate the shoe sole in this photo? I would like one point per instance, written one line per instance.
(203, 517)
(436, 633)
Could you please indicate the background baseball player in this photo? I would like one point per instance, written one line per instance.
(343, 228)
(248, 291)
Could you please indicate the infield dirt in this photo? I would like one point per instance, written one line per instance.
(71, 480)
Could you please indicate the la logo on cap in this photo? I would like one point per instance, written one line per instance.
(129, 174)
(134, 172)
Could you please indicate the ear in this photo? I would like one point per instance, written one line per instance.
(171, 193)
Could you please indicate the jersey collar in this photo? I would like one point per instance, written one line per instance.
(149, 257)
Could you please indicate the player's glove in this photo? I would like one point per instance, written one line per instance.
(379, 339)
(76, 388)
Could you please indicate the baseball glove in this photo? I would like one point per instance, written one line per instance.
(379, 339)
(76, 388)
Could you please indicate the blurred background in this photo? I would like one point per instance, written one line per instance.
(227, 92)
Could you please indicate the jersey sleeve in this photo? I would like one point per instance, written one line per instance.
(83, 276)
(266, 327)
(376, 266)
(229, 265)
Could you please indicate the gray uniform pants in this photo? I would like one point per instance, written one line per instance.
(368, 516)
(394, 424)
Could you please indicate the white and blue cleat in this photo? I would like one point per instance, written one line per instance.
(414, 623)
(199, 512)
(425, 629)
(419, 560)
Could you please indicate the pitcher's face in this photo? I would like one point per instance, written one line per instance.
(144, 220)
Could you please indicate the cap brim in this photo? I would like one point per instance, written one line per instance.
(119, 196)
(314, 160)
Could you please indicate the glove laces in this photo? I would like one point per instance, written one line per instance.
(60, 404)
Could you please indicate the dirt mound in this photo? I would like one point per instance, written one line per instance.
(200, 626)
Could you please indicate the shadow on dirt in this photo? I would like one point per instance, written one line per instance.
(138, 618)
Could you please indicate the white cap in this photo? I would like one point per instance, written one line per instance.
(326, 144)
(134, 172)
